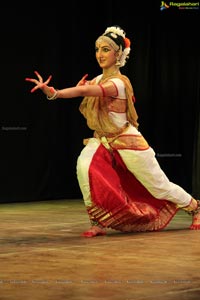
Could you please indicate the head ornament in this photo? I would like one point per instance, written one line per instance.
(116, 37)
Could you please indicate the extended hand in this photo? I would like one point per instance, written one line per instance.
(83, 80)
(39, 84)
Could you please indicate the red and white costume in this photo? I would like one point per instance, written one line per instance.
(122, 183)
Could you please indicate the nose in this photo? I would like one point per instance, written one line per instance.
(99, 53)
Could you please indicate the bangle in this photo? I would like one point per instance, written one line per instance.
(53, 97)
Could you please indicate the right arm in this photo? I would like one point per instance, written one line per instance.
(82, 89)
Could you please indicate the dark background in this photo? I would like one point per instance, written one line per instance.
(40, 140)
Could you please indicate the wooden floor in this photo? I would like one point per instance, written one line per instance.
(43, 257)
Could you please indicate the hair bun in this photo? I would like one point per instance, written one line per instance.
(115, 29)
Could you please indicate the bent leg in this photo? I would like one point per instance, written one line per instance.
(147, 170)
(82, 169)
(145, 167)
(83, 164)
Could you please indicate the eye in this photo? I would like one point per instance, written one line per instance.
(106, 49)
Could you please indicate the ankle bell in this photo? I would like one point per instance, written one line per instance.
(193, 211)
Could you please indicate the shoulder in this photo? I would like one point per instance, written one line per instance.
(118, 82)
(120, 86)
(97, 78)
(121, 81)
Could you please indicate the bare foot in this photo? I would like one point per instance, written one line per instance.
(94, 231)
(195, 222)
(193, 209)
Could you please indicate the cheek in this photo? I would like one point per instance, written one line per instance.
(113, 58)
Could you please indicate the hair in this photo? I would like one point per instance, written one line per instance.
(116, 37)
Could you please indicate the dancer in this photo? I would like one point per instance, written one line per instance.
(122, 183)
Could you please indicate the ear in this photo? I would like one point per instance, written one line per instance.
(117, 55)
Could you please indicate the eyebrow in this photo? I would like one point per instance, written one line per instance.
(104, 46)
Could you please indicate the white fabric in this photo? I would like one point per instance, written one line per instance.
(118, 119)
(142, 164)
(147, 170)
(119, 85)
(83, 164)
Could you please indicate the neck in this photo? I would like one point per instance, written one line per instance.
(108, 73)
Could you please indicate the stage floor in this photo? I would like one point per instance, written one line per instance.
(44, 257)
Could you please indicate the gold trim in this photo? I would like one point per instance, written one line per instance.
(129, 141)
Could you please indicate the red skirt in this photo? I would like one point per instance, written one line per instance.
(120, 201)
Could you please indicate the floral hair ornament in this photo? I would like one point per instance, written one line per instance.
(127, 42)
(115, 31)
(125, 52)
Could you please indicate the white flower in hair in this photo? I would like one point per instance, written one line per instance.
(115, 30)
(124, 57)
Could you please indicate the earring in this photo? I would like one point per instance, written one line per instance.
(117, 62)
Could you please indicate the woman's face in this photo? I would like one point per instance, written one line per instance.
(105, 55)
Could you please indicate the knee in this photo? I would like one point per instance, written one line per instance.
(82, 164)
(79, 163)
(160, 194)
(166, 192)
(161, 191)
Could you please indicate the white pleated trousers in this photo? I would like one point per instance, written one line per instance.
(142, 164)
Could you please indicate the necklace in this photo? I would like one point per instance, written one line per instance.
(109, 75)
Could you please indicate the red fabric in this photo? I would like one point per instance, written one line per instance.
(120, 201)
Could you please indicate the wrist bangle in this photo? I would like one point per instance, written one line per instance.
(53, 97)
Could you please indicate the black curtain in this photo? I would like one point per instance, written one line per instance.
(196, 153)
(41, 140)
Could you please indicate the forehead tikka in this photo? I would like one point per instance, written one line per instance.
(108, 40)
